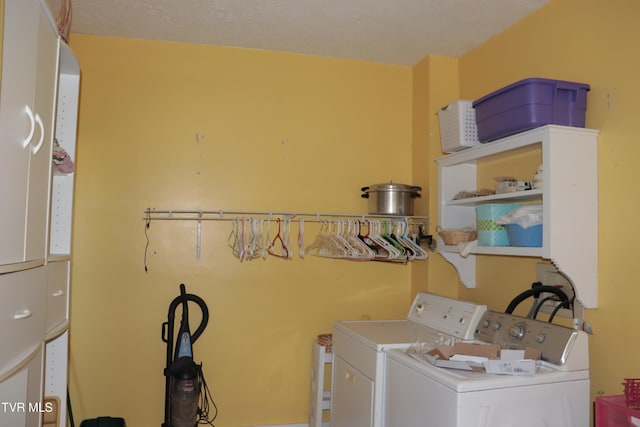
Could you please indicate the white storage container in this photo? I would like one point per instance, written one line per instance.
(458, 128)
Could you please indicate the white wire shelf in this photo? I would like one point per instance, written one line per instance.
(258, 229)
(226, 215)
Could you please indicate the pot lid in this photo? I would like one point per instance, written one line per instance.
(390, 186)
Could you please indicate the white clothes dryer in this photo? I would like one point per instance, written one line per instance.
(420, 394)
(360, 347)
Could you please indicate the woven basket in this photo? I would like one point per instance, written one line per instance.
(455, 237)
(326, 340)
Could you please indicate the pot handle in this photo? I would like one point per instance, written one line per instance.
(416, 195)
(365, 195)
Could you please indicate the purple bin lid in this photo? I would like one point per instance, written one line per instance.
(560, 84)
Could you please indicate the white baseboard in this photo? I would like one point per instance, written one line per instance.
(286, 425)
(293, 425)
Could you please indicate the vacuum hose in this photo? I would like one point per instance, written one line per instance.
(535, 292)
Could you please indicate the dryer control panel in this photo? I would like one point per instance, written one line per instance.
(450, 316)
(515, 332)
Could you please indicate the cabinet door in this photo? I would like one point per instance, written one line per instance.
(16, 122)
(40, 162)
(29, 66)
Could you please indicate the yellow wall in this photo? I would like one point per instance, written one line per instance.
(435, 84)
(175, 126)
(593, 42)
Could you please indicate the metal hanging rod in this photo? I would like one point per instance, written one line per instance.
(222, 215)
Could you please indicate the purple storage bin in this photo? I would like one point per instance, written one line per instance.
(528, 104)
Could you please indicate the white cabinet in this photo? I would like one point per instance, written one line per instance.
(569, 197)
(29, 66)
(39, 94)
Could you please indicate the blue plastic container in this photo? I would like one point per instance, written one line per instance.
(528, 104)
(518, 236)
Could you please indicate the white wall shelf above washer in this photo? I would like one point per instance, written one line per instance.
(569, 197)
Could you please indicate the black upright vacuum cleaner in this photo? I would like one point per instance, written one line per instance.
(186, 393)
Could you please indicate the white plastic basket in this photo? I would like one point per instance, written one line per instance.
(458, 129)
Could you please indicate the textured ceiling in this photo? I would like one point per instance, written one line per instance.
(399, 32)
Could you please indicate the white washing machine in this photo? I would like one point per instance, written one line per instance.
(359, 353)
(420, 394)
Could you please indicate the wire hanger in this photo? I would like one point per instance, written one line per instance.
(284, 252)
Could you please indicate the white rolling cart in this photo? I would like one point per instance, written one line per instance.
(320, 399)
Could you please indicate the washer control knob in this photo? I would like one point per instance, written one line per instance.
(497, 326)
(540, 338)
(462, 320)
(486, 323)
(517, 331)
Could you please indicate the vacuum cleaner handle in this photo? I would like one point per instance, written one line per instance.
(205, 316)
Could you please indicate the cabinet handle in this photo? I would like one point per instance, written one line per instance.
(24, 314)
(58, 293)
(33, 126)
(350, 376)
(41, 140)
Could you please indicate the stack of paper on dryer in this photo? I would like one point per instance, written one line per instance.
(488, 358)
